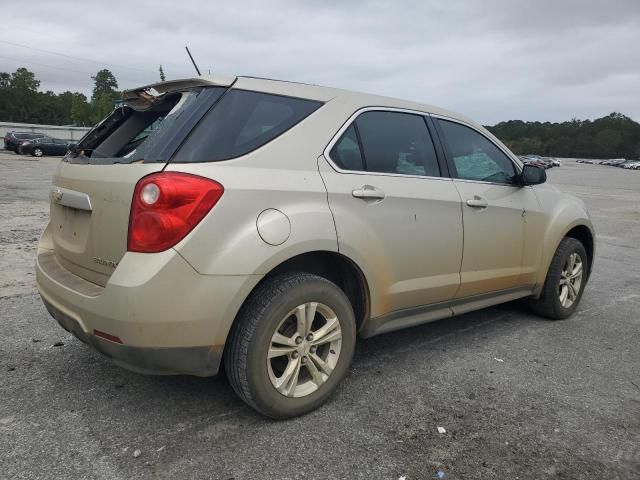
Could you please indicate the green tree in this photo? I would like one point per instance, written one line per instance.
(20, 100)
(607, 143)
(80, 110)
(615, 135)
(162, 77)
(104, 83)
(24, 80)
(6, 97)
(65, 101)
(101, 107)
(5, 80)
(21, 96)
(104, 95)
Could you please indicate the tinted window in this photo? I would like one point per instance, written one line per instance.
(241, 122)
(346, 153)
(394, 142)
(475, 157)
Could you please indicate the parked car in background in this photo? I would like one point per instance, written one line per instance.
(537, 160)
(38, 147)
(619, 162)
(263, 225)
(616, 162)
(631, 165)
(13, 140)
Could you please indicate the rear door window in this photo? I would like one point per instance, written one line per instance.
(391, 142)
(346, 152)
(241, 122)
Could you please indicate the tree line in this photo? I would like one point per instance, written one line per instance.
(613, 136)
(22, 101)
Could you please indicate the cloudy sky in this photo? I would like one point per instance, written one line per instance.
(491, 60)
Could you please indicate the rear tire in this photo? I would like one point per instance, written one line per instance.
(37, 152)
(565, 282)
(266, 344)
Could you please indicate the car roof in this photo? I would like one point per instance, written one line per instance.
(300, 90)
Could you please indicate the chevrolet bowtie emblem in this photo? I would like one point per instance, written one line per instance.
(56, 194)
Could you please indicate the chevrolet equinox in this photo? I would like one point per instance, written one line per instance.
(262, 225)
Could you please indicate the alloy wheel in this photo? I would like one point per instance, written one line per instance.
(304, 349)
(570, 280)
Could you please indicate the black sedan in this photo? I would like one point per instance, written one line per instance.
(13, 140)
(44, 146)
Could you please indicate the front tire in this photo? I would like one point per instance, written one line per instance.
(565, 282)
(291, 345)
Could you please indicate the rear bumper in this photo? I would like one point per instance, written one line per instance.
(170, 319)
(199, 361)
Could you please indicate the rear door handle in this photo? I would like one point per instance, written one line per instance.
(368, 192)
(478, 202)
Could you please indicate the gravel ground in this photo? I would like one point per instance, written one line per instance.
(518, 396)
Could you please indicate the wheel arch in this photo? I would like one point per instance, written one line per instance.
(333, 266)
(582, 231)
(337, 268)
(583, 234)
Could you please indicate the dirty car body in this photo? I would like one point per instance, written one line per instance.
(213, 211)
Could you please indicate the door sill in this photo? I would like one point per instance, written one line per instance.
(410, 317)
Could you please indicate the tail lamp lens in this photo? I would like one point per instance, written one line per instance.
(166, 207)
(150, 194)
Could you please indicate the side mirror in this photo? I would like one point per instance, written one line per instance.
(533, 174)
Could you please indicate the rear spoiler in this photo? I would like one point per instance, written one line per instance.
(142, 97)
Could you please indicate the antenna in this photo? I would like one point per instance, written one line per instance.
(192, 60)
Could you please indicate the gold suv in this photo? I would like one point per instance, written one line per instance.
(269, 223)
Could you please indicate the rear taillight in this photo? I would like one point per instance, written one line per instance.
(166, 207)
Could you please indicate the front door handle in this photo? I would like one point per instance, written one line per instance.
(478, 202)
(368, 192)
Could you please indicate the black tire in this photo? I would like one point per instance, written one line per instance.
(549, 305)
(250, 338)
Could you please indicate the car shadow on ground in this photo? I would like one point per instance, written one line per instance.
(178, 399)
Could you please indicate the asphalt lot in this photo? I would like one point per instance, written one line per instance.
(563, 402)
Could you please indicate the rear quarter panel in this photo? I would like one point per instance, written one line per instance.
(282, 175)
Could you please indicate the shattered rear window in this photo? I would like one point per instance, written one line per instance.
(144, 129)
